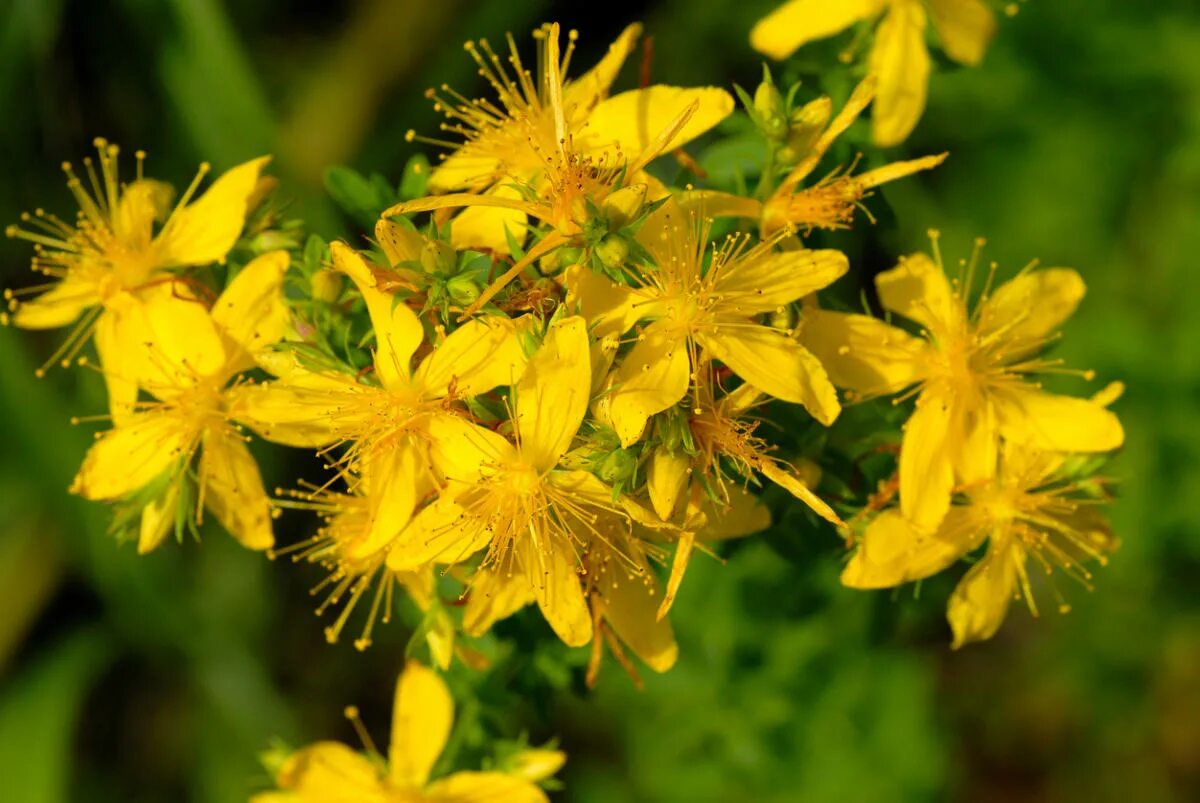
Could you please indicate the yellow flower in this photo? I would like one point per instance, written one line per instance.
(832, 202)
(104, 262)
(186, 365)
(700, 311)
(423, 713)
(1028, 510)
(533, 518)
(388, 426)
(354, 570)
(970, 370)
(555, 146)
(899, 58)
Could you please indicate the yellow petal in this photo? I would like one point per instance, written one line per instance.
(863, 354)
(900, 62)
(233, 489)
(475, 787)
(58, 306)
(979, 603)
(398, 331)
(775, 364)
(610, 308)
(494, 595)
(798, 22)
(1025, 311)
(551, 567)
(182, 343)
(926, 471)
(421, 718)
(393, 481)
(482, 354)
(483, 228)
(713, 203)
(474, 164)
(142, 202)
(666, 480)
(789, 482)
(251, 310)
(330, 772)
(158, 518)
(463, 451)
(440, 533)
(653, 377)
(631, 121)
(126, 458)
(919, 290)
(743, 514)
(629, 605)
(400, 241)
(1056, 423)
(288, 414)
(205, 230)
(893, 552)
(753, 286)
(119, 337)
(965, 27)
(581, 94)
(552, 395)
(538, 764)
(973, 438)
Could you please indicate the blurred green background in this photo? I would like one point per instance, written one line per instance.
(161, 678)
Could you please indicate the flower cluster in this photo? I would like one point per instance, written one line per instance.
(542, 381)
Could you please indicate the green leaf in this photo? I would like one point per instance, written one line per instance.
(39, 711)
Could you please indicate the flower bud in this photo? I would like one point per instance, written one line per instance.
(623, 206)
(462, 290)
(769, 109)
(438, 257)
(326, 285)
(618, 466)
(613, 250)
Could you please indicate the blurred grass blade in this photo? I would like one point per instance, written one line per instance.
(39, 711)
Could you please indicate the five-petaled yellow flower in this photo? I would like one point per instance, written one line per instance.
(112, 255)
(423, 713)
(1026, 511)
(186, 365)
(899, 59)
(970, 369)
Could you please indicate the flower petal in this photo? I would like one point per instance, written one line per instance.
(892, 552)
(629, 605)
(233, 490)
(482, 354)
(251, 310)
(863, 354)
(743, 514)
(332, 773)
(394, 480)
(206, 229)
(1028, 309)
(753, 286)
(979, 603)
(900, 62)
(551, 567)
(653, 377)
(182, 345)
(463, 451)
(474, 787)
(488, 228)
(775, 364)
(421, 718)
(798, 22)
(494, 595)
(58, 306)
(126, 458)
(610, 308)
(965, 27)
(666, 481)
(630, 122)
(398, 331)
(926, 471)
(1056, 423)
(552, 396)
(919, 290)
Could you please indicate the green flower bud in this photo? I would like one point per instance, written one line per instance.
(462, 290)
(618, 466)
(613, 250)
(438, 257)
(623, 206)
(769, 110)
(326, 285)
